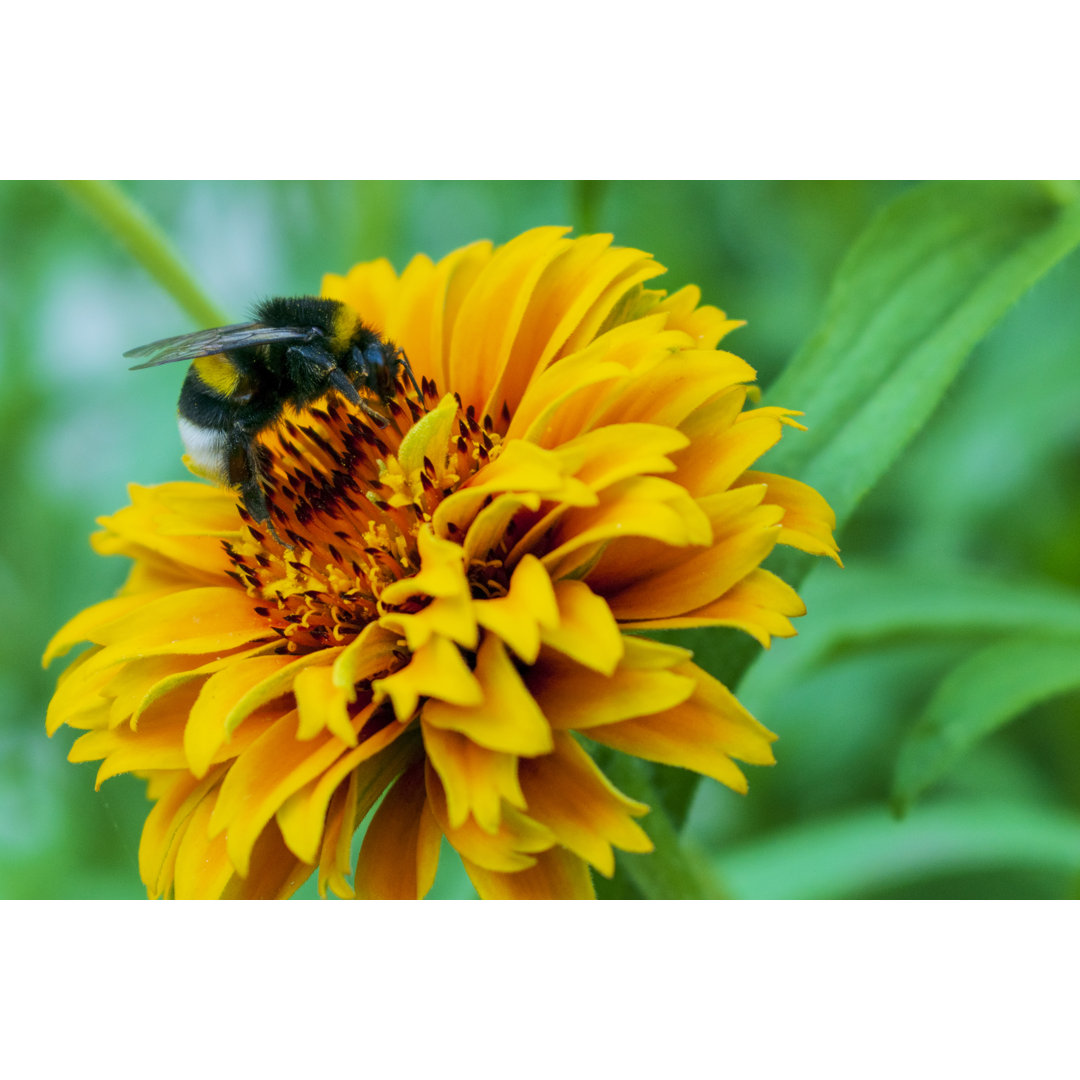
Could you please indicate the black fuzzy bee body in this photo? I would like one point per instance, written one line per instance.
(296, 351)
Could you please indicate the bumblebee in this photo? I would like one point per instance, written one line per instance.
(294, 352)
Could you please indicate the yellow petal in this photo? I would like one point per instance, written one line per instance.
(761, 604)
(703, 733)
(302, 816)
(619, 451)
(75, 693)
(429, 438)
(506, 717)
(489, 528)
(642, 506)
(87, 623)
(375, 651)
(529, 606)
(474, 779)
(321, 706)
(180, 524)
(165, 823)
(566, 291)
(368, 288)
(441, 571)
(231, 695)
(513, 847)
(557, 875)
(521, 467)
(667, 392)
(560, 404)
(680, 581)
(205, 620)
(262, 778)
(449, 617)
(720, 451)
(572, 797)
(572, 696)
(492, 313)
(202, 869)
(587, 631)
(400, 852)
(438, 671)
(706, 325)
(808, 520)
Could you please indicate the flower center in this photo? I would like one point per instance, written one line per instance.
(339, 493)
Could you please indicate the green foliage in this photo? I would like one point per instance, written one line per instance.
(988, 689)
(866, 852)
(957, 485)
(922, 286)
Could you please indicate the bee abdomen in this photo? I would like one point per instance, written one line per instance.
(208, 449)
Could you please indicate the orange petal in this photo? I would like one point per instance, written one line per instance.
(572, 797)
(334, 861)
(572, 696)
(302, 816)
(202, 869)
(492, 313)
(569, 287)
(808, 520)
(513, 847)
(703, 733)
(557, 875)
(760, 604)
(400, 852)
(275, 873)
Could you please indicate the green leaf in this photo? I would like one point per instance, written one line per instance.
(931, 275)
(996, 685)
(870, 602)
(868, 852)
(921, 287)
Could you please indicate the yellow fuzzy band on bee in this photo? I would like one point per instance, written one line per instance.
(218, 374)
(344, 326)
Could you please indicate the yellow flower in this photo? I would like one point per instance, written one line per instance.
(454, 604)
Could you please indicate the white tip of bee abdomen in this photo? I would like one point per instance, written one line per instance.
(207, 450)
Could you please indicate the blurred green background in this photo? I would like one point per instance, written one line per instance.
(985, 499)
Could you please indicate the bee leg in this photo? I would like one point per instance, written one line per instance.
(363, 370)
(404, 361)
(244, 474)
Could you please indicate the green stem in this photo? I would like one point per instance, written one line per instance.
(129, 224)
(587, 196)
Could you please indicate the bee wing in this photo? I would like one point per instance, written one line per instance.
(219, 339)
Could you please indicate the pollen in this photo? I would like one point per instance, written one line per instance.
(347, 499)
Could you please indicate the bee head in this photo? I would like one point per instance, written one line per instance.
(374, 368)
